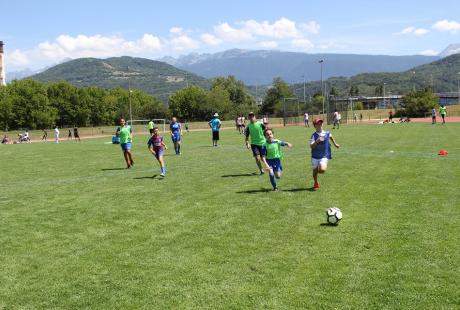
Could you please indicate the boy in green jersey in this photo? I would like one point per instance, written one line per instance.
(124, 132)
(443, 112)
(272, 160)
(255, 130)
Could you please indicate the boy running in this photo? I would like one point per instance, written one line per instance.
(255, 130)
(125, 133)
(176, 132)
(274, 155)
(320, 150)
(75, 134)
(156, 147)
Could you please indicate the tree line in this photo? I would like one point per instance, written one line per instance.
(35, 105)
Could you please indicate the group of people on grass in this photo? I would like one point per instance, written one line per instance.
(442, 112)
(266, 149)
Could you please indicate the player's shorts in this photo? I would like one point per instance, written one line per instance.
(258, 150)
(158, 153)
(215, 135)
(175, 137)
(275, 164)
(315, 162)
(125, 146)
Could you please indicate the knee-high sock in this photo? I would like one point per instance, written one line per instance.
(272, 179)
(163, 170)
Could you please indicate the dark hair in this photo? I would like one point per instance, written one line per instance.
(268, 129)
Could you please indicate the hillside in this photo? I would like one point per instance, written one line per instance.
(154, 77)
(442, 75)
(260, 67)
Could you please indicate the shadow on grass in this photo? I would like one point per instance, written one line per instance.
(239, 175)
(328, 225)
(152, 177)
(302, 189)
(255, 191)
(111, 169)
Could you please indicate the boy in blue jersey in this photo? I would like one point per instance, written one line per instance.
(176, 132)
(156, 147)
(272, 159)
(320, 150)
(215, 127)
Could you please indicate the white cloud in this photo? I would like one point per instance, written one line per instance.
(176, 30)
(447, 26)
(210, 39)
(229, 34)
(429, 53)
(331, 45)
(280, 29)
(311, 27)
(18, 58)
(183, 42)
(303, 44)
(413, 30)
(268, 44)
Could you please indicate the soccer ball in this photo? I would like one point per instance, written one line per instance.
(333, 215)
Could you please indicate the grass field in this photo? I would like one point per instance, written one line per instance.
(77, 231)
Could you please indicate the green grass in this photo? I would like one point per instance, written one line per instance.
(79, 232)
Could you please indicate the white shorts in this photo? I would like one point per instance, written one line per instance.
(316, 162)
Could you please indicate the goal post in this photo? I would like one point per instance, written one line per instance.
(140, 125)
(291, 111)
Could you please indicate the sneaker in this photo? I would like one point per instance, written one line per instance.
(275, 189)
(162, 175)
(261, 172)
(316, 185)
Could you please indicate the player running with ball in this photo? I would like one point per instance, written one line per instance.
(156, 147)
(320, 150)
(273, 158)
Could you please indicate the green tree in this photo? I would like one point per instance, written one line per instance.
(333, 92)
(31, 105)
(418, 103)
(273, 100)
(190, 103)
(354, 91)
(378, 90)
(64, 97)
(6, 108)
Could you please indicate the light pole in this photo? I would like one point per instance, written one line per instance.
(322, 89)
(413, 72)
(458, 87)
(304, 98)
(384, 101)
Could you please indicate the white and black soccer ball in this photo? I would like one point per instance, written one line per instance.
(333, 216)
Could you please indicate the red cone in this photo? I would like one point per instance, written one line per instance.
(443, 152)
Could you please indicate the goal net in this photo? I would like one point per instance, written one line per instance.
(292, 114)
(141, 125)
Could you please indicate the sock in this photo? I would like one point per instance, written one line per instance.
(163, 170)
(178, 149)
(272, 179)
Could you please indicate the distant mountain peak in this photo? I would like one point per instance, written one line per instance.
(450, 50)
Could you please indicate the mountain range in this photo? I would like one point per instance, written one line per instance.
(259, 67)
(154, 77)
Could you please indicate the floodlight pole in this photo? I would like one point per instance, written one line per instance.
(458, 87)
(304, 97)
(322, 88)
(384, 101)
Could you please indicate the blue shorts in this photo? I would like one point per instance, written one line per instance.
(258, 150)
(175, 137)
(275, 164)
(126, 146)
(158, 154)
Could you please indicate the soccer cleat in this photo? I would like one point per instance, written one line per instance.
(275, 189)
(162, 175)
(316, 185)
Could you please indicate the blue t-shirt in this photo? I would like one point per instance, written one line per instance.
(175, 128)
(215, 124)
(322, 149)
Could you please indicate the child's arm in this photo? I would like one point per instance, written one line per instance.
(164, 145)
(151, 149)
(333, 141)
(284, 143)
(267, 167)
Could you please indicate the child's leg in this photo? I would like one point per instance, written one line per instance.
(278, 174)
(259, 163)
(125, 155)
(271, 175)
(322, 168)
(162, 165)
(315, 175)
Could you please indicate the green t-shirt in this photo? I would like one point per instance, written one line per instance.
(256, 131)
(125, 134)
(151, 125)
(274, 150)
(443, 110)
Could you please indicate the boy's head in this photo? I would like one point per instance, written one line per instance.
(269, 134)
(251, 117)
(155, 131)
(318, 123)
(173, 119)
(122, 121)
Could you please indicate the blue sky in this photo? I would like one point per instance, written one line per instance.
(40, 33)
